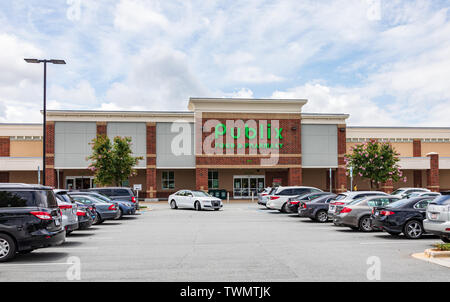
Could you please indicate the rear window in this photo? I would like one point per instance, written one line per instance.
(442, 200)
(340, 196)
(20, 199)
(65, 197)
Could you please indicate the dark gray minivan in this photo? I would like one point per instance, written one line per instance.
(118, 193)
(29, 219)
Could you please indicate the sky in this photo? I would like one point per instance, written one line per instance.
(384, 62)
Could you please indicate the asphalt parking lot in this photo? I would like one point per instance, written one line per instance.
(243, 242)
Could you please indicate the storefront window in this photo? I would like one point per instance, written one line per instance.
(168, 180)
(213, 179)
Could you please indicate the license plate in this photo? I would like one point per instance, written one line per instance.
(57, 222)
(377, 213)
(434, 216)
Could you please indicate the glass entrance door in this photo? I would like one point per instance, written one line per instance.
(79, 182)
(244, 185)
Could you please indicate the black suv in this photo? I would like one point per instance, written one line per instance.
(118, 193)
(29, 219)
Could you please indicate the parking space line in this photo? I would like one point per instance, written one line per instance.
(389, 242)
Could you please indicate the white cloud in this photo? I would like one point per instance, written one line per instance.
(133, 15)
(243, 93)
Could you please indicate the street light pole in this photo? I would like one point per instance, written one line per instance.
(44, 136)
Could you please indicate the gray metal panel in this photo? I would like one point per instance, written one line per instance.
(72, 143)
(165, 156)
(319, 146)
(138, 134)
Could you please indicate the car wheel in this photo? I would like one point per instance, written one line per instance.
(98, 219)
(198, 206)
(284, 208)
(7, 248)
(216, 209)
(365, 224)
(413, 229)
(68, 233)
(119, 214)
(445, 239)
(322, 216)
(173, 205)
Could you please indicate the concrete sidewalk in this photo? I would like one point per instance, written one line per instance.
(443, 261)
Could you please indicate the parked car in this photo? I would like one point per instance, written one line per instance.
(263, 193)
(345, 198)
(29, 219)
(197, 200)
(402, 192)
(356, 214)
(404, 216)
(294, 202)
(104, 210)
(265, 198)
(118, 193)
(69, 215)
(316, 209)
(278, 201)
(85, 215)
(125, 207)
(438, 217)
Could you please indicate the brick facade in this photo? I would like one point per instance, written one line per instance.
(5, 146)
(341, 177)
(417, 178)
(151, 161)
(201, 179)
(387, 187)
(50, 173)
(417, 148)
(433, 173)
(295, 176)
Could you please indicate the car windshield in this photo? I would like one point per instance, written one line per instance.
(398, 191)
(200, 194)
(442, 200)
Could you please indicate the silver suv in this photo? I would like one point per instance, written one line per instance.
(438, 217)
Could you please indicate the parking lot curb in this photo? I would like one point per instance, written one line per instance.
(442, 261)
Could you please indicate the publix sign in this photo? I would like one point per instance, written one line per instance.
(263, 136)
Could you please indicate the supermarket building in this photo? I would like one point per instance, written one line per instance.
(240, 145)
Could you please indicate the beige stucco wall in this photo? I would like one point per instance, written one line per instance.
(404, 149)
(184, 179)
(442, 148)
(25, 148)
(444, 179)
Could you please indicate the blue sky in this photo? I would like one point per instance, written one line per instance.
(383, 62)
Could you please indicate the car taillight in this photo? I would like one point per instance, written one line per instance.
(264, 194)
(386, 213)
(133, 199)
(294, 202)
(304, 205)
(65, 207)
(274, 197)
(42, 215)
(112, 207)
(339, 203)
(346, 210)
(81, 213)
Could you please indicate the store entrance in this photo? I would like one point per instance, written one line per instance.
(79, 182)
(244, 185)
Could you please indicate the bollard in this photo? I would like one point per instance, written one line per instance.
(228, 197)
(253, 200)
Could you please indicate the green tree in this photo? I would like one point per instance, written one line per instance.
(112, 163)
(375, 161)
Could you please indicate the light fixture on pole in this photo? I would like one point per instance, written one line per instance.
(52, 61)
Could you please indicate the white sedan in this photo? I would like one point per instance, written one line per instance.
(198, 200)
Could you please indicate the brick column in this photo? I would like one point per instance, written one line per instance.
(433, 173)
(50, 173)
(417, 152)
(101, 128)
(387, 187)
(5, 146)
(150, 181)
(295, 176)
(341, 178)
(201, 179)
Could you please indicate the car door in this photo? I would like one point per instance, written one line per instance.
(180, 198)
(189, 199)
(421, 207)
